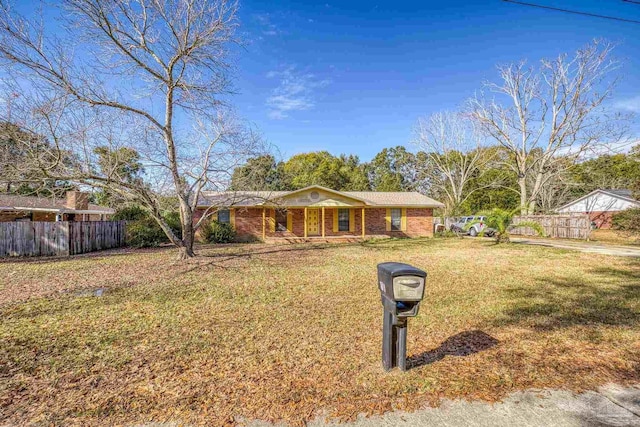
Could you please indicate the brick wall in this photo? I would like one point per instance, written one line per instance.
(248, 222)
(44, 216)
(419, 223)
(602, 219)
(8, 216)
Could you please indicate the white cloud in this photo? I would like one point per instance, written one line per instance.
(268, 27)
(629, 104)
(295, 92)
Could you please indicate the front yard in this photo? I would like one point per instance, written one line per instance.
(293, 332)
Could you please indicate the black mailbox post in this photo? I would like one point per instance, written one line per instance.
(401, 290)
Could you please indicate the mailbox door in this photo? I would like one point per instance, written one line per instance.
(408, 288)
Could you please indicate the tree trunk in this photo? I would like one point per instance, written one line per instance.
(186, 252)
(186, 244)
(524, 201)
(503, 237)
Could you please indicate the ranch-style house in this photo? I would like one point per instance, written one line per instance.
(317, 212)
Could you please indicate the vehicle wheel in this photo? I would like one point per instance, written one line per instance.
(473, 232)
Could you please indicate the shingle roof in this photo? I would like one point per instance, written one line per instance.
(394, 198)
(12, 201)
(623, 192)
(237, 198)
(371, 198)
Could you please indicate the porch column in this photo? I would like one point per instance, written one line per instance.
(264, 224)
(323, 221)
(305, 222)
(363, 223)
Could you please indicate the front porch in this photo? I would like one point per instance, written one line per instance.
(314, 223)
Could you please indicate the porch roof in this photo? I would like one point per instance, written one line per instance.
(286, 198)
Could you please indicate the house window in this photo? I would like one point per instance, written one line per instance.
(224, 216)
(343, 219)
(396, 219)
(281, 220)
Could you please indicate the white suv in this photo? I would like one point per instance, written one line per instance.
(472, 225)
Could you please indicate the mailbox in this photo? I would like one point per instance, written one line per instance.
(401, 290)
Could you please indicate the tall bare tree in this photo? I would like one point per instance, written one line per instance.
(455, 155)
(146, 74)
(550, 117)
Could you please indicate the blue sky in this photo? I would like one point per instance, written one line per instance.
(354, 76)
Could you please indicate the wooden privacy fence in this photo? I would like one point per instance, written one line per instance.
(59, 238)
(561, 226)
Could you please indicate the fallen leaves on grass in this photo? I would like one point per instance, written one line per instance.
(288, 333)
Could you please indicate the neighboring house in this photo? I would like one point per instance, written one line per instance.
(319, 212)
(600, 205)
(75, 207)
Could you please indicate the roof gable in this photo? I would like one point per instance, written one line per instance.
(317, 195)
(618, 194)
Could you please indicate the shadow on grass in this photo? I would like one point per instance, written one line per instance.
(462, 344)
(300, 249)
(605, 296)
(397, 243)
(87, 257)
(217, 260)
(271, 249)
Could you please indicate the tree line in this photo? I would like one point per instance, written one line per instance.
(398, 169)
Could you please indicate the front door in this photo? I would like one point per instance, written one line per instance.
(313, 223)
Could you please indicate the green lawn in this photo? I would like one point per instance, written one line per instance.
(290, 332)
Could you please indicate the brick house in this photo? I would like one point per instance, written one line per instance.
(601, 205)
(317, 212)
(74, 207)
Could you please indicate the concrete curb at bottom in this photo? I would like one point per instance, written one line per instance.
(610, 405)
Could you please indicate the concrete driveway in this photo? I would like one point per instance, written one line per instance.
(589, 247)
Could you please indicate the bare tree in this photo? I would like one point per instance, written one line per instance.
(550, 115)
(146, 74)
(454, 154)
(556, 192)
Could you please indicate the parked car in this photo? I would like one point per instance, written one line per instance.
(472, 225)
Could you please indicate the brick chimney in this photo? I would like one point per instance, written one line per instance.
(77, 200)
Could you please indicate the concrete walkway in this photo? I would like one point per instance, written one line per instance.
(609, 406)
(589, 247)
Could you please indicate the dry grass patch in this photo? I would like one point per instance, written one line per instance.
(613, 237)
(292, 332)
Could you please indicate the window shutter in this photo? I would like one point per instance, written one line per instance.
(214, 217)
(335, 220)
(232, 217)
(272, 220)
(289, 222)
(352, 220)
(403, 220)
(387, 219)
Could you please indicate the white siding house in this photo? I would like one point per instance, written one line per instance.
(601, 205)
